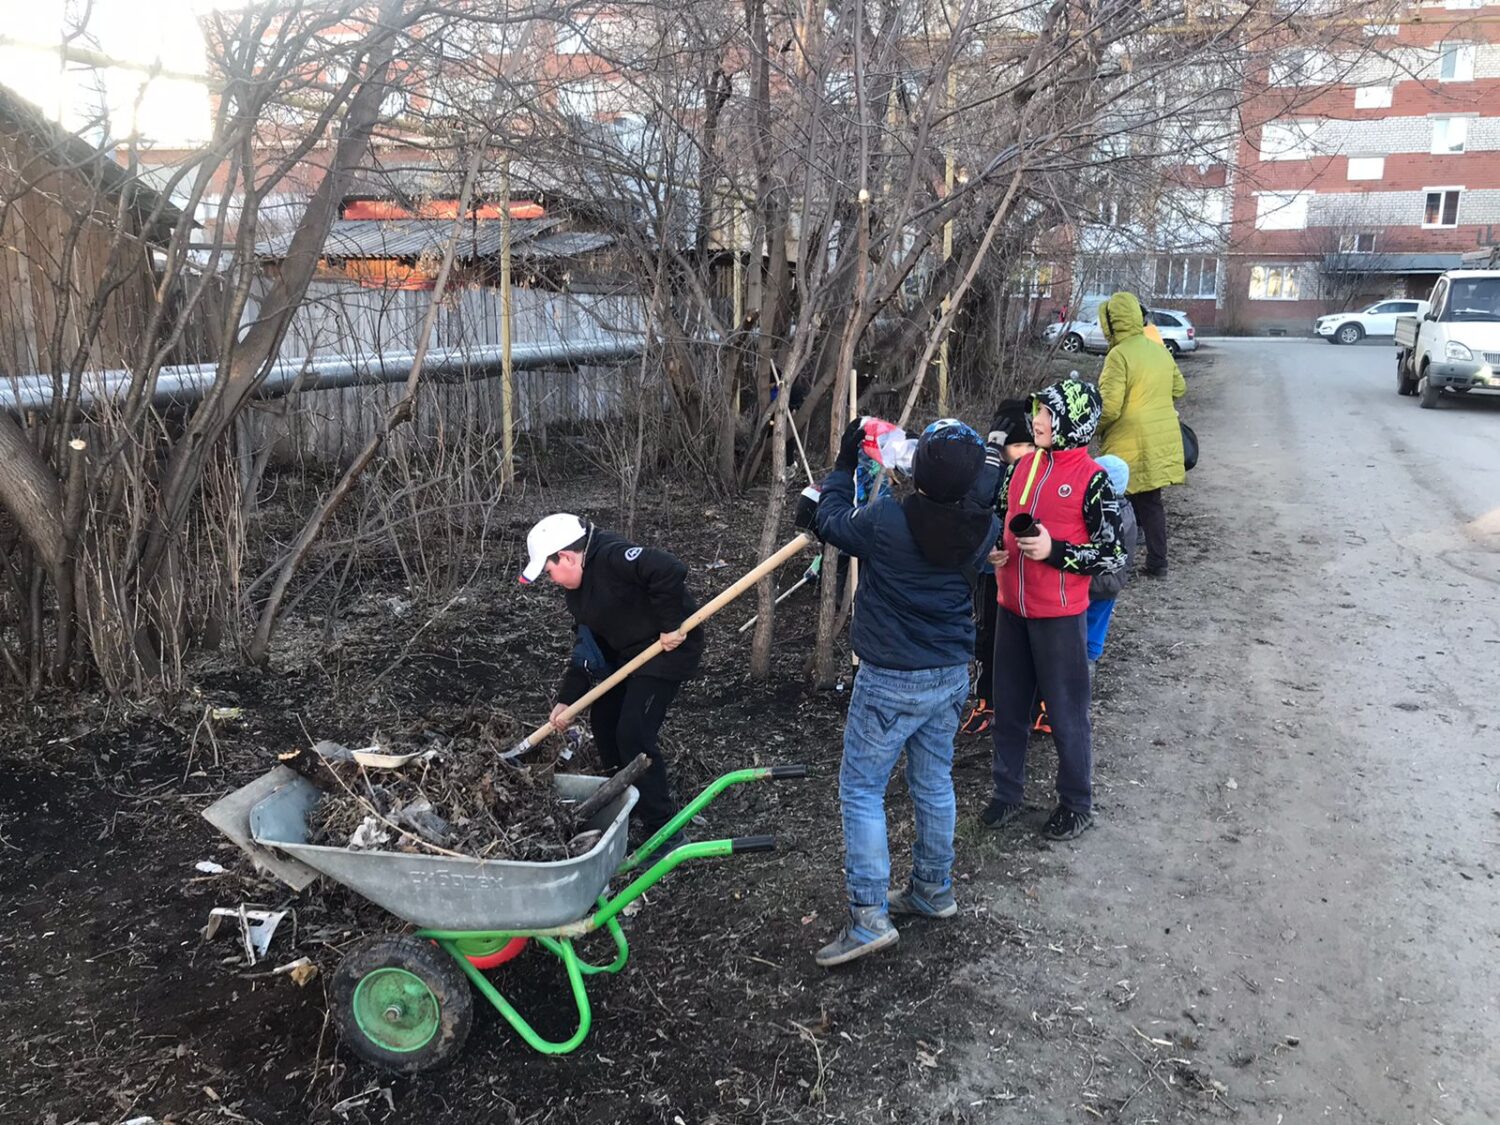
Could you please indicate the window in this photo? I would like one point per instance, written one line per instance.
(1275, 283)
(1112, 274)
(1452, 4)
(1187, 277)
(568, 39)
(1442, 207)
(1297, 67)
(1165, 320)
(1287, 140)
(1362, 243)
(1456, 62)
(1449, 134)
(1372, 97)
(1281, 210)
(1366, 167)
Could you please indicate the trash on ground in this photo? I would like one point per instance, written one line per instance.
(257, 927)
(301, 971)
(209, 867)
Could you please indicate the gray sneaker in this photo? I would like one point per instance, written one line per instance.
(997, 814)
(868, 929)
(929, 900)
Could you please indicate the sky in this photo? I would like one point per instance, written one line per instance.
(171, 113)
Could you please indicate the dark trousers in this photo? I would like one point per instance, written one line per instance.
(985, 608)
(1046, 656)
(626, 722)
(1151, 514)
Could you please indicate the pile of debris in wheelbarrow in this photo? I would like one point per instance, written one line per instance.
(440, 787)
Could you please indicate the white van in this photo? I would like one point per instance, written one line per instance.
(1455, 345)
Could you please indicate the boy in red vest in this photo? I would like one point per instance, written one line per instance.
(1061, 527)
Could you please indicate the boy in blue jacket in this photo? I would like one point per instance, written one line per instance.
(913, 630)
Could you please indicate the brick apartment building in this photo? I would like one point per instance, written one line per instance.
(1384, 174)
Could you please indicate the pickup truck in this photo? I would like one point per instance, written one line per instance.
(1455, 345)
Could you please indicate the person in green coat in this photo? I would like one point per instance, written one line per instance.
(1140, 384)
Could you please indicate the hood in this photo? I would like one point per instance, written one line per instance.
(1118, 470)
(1075, 407)
(1120, 317)
(950, 536)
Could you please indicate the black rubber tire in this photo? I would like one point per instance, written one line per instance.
(1404, 385)
(1173, 348)
(1072, 343)
(446, 982)
(1429, 394)
(1349, 334)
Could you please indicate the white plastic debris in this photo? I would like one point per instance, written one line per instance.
(209, 867)
(257, 927)
(370, 834)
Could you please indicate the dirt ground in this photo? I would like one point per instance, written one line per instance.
(1288, 910)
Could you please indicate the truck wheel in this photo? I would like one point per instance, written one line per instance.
(1429, 391)
(1405, 384)
(1349, 334)
(401, 1003)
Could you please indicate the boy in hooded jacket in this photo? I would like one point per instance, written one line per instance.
(913, 630)
(1061, 527)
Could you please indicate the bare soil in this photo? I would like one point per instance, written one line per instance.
(1175, 964)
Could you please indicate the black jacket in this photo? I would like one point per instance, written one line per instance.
(629, 596)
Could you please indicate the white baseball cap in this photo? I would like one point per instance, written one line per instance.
(549, 535)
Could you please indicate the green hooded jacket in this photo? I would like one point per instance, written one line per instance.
(1139, 385)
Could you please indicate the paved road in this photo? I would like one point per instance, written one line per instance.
(1297, 869)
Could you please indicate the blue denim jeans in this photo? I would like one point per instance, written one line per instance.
(891, 711)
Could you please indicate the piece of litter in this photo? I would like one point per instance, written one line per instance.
(809, 918)
(369, 834)
(257, 927)
(139, 1121)
(1231, 784)
(301, 971)
(717, 564)
(333, 751)
(226, 714)
(209, 867)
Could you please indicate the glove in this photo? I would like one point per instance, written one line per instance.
(854, 437)
(805, 517)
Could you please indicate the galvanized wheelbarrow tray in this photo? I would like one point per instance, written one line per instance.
(403, 1002)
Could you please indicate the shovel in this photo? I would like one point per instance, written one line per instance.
(654, 649)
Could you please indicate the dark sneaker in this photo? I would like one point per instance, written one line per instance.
(868, 929)
(1065, 824)
(979, 719)
(1155, 571)
(929, 900)
(665, 848)
(997, 814)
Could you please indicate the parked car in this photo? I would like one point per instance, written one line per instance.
(1177, 333)
(1454, 345)
(1377, 320)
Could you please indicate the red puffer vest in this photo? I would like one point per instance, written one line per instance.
(1055, 499)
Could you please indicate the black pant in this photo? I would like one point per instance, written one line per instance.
(985, 607)
(1151, 514)
(1047, 655)
(626, 722)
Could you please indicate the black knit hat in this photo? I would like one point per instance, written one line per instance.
(948, 459)
(1012, 422)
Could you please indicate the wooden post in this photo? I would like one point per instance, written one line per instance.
(942, 371)
(507, 373)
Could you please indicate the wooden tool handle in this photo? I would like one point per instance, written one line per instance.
(654, 649)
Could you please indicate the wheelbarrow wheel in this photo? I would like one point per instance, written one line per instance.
(401, 1003)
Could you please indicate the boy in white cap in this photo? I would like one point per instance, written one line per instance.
(625, 597)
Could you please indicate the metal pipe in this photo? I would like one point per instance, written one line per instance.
(179, 386)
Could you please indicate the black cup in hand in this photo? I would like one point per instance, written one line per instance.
(1023, 525)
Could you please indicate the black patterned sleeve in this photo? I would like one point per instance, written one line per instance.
(1104, 553)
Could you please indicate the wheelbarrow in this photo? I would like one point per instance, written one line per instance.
(405, 1002)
